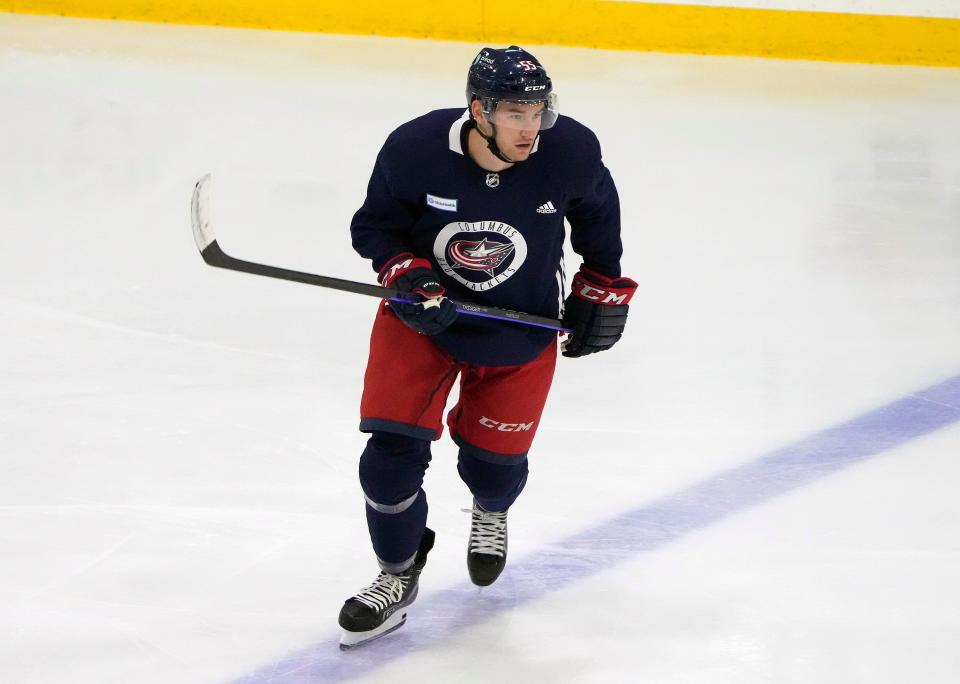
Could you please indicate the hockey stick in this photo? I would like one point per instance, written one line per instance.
(215, 256)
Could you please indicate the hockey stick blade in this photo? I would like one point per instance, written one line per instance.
(214, 255)
(199, 213)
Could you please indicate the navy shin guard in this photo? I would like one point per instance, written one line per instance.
(391, 473)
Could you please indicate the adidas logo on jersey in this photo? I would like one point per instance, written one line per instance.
(547, 208)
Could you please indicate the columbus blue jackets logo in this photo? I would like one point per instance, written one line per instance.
(480, 255)
(483, 255)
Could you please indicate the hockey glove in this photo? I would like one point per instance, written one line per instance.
(429, 312)
(596, 312)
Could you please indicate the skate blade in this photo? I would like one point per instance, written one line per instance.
(350, 640)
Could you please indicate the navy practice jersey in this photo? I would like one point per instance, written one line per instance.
(494, 239)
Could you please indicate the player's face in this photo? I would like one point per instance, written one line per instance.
(517, 127)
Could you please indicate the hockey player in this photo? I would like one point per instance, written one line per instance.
(471, 204)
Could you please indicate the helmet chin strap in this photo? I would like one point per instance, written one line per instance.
(491, 141)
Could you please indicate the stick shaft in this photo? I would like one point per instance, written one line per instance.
(214, 255)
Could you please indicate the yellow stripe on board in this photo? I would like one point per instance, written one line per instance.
(588, 23)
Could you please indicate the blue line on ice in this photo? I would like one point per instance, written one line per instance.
(439, 615)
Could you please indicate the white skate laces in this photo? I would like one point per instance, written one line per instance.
(385, 590)
(488, 531)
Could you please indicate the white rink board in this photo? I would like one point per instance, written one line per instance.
(949, 9)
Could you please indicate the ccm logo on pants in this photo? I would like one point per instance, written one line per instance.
(505, 427)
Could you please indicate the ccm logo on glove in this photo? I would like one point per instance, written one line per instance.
(602, 290)
(393, 268)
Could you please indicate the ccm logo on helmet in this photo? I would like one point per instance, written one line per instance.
(595, 294)
(536, 87)
(505, 427)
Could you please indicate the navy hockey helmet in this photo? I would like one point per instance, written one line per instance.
(510, 75)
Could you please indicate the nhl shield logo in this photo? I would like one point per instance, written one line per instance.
(480, 255)
(493, 180)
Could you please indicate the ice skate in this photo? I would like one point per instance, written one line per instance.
(381, 608)
(487, 549)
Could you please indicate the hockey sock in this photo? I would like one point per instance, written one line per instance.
(495, 485)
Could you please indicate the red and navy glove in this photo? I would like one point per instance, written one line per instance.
(428, 312)
(596, 312)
